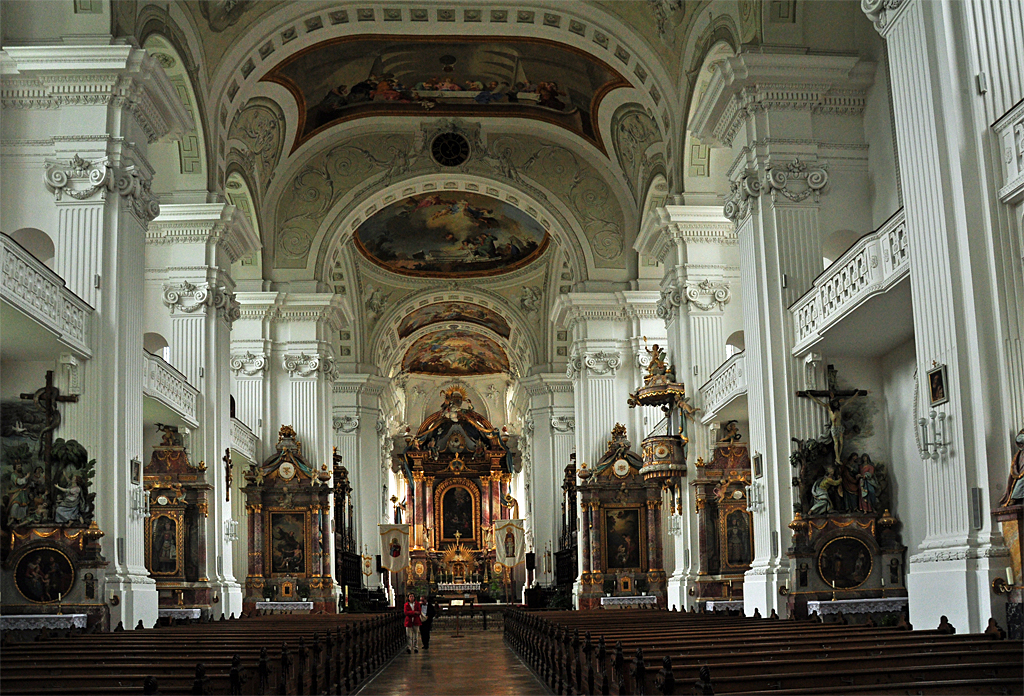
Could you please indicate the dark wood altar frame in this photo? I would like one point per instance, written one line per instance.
(268, 540)
(178, 517)
(641, 513)
(438, 525)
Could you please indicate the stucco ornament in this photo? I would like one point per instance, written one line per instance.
(303, 365)
(708, 295)
(795, 181)
(256, 137)
(189, 298)
(78, 178)
(634, 132)
(249, 364)
(742, 198)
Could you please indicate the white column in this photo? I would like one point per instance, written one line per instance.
(955, 70)
(91, 113)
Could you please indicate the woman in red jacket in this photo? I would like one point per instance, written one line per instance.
(412, 622)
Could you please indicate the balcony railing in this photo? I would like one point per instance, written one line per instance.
(28, 285)
(242, 440)
(725, 384)
(168, 386)
(874, 264)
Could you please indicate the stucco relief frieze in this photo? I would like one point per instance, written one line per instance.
(634, 131)
(256, 139)
(305, 365)
(190, 298)
(249, 364)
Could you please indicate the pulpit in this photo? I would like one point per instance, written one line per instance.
(287, 501)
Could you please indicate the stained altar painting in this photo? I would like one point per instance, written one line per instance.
(451, 235)
(453, 311)
(453, 352)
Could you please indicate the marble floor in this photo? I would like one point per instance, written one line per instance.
(477, 663)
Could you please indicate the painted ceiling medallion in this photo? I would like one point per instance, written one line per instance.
(451, 235)
(359, 76)
(448, 352)
(453, 311)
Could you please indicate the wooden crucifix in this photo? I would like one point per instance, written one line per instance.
(228, 478)
(832, 400)
(46, 399)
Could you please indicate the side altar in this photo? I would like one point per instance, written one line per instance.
(458, 469)
(287, 501)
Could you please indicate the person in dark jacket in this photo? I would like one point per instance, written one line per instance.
(427, 615)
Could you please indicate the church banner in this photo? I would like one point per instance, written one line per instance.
(510, 542)
(394, 546)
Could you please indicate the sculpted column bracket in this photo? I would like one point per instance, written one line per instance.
(135, 186)
(779, 180)
(742, 199)
(190, 298)
(670, 302)
(249, 364)
(561, 424)
(78, 178)
(708, 295)
(303, 365)
(602, 362)
(346, 424)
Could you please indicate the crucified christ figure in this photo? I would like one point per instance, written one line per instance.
(833, 401)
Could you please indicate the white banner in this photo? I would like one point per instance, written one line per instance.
(394, 546)
(510, 542)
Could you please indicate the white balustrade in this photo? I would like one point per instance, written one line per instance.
(874, 264)
(242, 440)
(168, 386)
(28, 285)
(724, 385)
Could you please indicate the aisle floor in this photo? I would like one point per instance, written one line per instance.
(477, 663)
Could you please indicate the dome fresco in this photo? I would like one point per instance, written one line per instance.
(451, 235)
(455, 352)
(453, 311)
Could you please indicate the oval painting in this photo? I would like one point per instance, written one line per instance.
(453, 311)
(451, 235)
(451, 352)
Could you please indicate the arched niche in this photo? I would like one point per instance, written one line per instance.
(734, 344)
(156, 344)
(835, 245)
(37, 243)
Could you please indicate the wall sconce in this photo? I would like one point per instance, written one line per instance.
(755, 497)
(783, 590)
(938, 444)
(231, 530)
(114, 599)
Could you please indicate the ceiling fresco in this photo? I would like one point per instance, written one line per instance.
(453, 311)
(451, 235)
(352, 77)
(455, 352)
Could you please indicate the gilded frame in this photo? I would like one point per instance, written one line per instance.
(641, 517)
(178, 517)
(864, 546)
(723, 534)
(18, 574)
(438, 531)
(268, 543)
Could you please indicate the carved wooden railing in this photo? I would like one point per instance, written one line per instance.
(724, 385)
(28, 285)
(874, 264)
(168, 386)
(242, 440)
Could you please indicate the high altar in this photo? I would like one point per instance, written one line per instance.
(457, 469)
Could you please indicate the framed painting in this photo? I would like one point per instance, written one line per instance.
(938, 386)
(624, 538)
(287, 541)
(845, 563)
(44, 575)
(737, 543)
(166, 541)
(458, 503)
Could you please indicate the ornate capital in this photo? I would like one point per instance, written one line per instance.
(742, 199)
(78, 178)
(573, 368)
(346, 424)
(248, 364)
(708, 295)
(188, 298)
(668, 306)
(563, 424)
(303, 365)
(880, 11)
(795, 181)
(135, 187)
(602, 362)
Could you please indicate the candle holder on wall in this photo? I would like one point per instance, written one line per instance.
(931, 449)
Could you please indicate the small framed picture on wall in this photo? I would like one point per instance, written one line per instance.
(938, 386)
(136, 471)
(757, 465)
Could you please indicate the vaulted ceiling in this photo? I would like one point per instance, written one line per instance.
(448, 168)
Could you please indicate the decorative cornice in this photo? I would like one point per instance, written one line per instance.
(189, 298)
(346, 424)
(303, 365)
(217, 224)
(249, 364)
